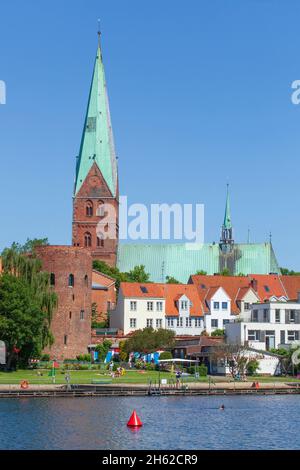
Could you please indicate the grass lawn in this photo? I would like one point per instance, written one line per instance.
(131, 376)
(79, 377)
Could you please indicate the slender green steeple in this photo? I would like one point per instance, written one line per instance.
(97, 143)
(227, 218)
(226, 242)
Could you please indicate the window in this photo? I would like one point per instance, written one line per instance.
(89, 209)
(70, 315)
(158, 323)
(292, 316)
(100, 210)
(293, 335)
(159, 306)
(170, 322)
(224, 305)
(266, 311)
(65, 340)
(150, 306)
(255, 315)
(216, 305)
(267, 288)
(86, 280)
(225, 322)
(214, 323)
(246, 306)
(144, 289)
(100, 241)
(71, 280)
(184, 305)
(149, 322)
(81, 314)
(253, 335)
(133, 305)
(277, 316)
(87, 239)
(132, 322)
(197, 322)
(188, 322)
(179, 322)
(52, 279)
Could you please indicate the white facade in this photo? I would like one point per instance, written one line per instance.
(269, 325)
(185, 323)
(137, 313)
(220, 311)
(268, 363)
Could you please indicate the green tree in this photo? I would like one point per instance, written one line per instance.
(201, 273)
(287, 272)
(28, 269)
(24, 325)
(103, 349)
(115, 273)
(165, 355)
(218, 332)
(149, 340)
(123, 354)
(138, 274)
(171, 280)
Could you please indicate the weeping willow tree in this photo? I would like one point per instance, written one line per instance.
(27, 268)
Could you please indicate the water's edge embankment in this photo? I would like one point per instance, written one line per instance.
(110, 390)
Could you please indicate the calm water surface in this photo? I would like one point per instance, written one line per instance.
(267, 422)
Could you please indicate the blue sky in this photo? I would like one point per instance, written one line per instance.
(200, 94)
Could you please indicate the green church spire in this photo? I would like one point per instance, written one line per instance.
(227, 218)
(97, 143)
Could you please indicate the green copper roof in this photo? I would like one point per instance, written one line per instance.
(227, 218)
(97, 144)
(177, 260)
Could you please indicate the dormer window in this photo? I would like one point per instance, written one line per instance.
(183, 305)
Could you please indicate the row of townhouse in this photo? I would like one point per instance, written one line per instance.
(261, 311)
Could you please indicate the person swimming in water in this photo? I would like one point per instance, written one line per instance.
(222, 407)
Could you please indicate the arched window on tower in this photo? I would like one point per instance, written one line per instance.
(87, 239)
(100, 210)
(71, 280)
(100, 241)
(86, 280)
(89, 209)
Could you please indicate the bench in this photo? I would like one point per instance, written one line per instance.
(101, 381)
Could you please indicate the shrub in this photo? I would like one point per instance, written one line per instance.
(202, 370)
(218, 332)
(84, 357)
(252, 367)
(45, 357)
(165, 355)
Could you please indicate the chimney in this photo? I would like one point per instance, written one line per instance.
(254, 284)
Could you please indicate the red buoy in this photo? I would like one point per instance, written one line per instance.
(134, 420)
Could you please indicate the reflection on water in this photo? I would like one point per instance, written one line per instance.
(262, 422)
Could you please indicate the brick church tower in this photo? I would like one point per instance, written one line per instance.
(96, 193)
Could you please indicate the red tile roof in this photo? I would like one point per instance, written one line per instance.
(170, 292)
(291, 285)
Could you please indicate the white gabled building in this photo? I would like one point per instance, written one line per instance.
(139, 306)
(269, 325)
(173, 306)
(217, 309)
